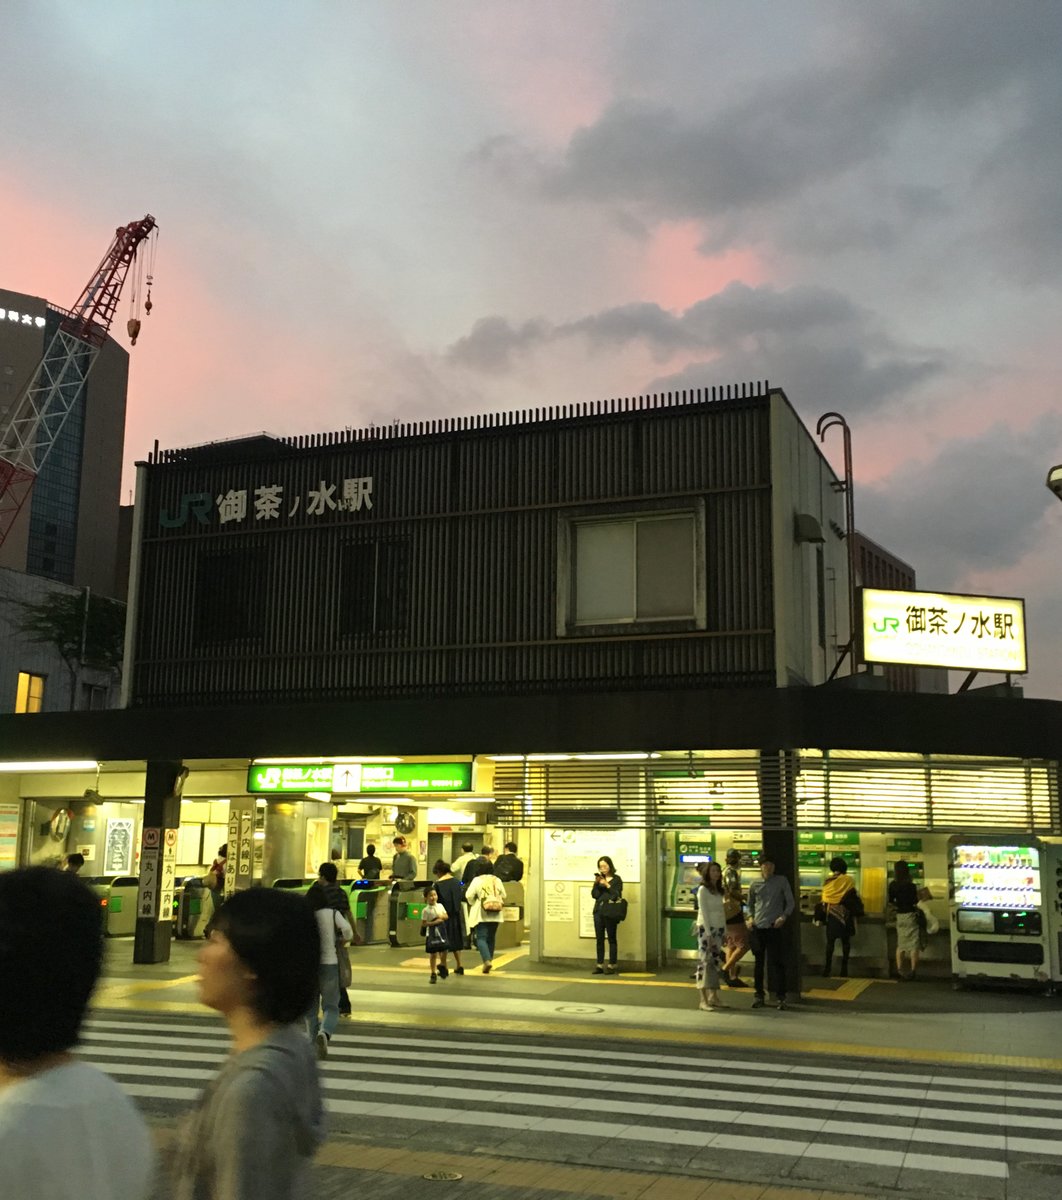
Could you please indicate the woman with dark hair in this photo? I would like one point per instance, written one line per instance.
(838, 911)
(259, 1121)
(607, 890)
(332, 926)
(486, 900)
(903, 899)
(452, 897)
(711, 934)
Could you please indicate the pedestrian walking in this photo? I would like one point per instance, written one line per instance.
(433, 917)
(770, 905)
(332, 896)
(468, 853)
(257, 1124)
(509, 868)
(609, 911)
(903, 899)
(486, 900)
(67, 1130)
(452, 898)
(333, 930)
(737, 931)
(711, 934)
(482, 864)
(370, 866)
(838, 910)
(214, 882)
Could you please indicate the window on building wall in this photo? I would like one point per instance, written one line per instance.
(94, 696)
(29, 695)
(374, 587)
(643, 568)
(229, 600)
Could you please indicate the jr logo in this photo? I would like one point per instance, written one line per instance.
(887, 625)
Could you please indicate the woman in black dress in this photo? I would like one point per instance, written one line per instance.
(451, 897)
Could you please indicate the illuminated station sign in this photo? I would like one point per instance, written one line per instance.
(360, 777)
(936, 629)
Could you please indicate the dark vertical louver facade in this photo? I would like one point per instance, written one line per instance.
(434, 559)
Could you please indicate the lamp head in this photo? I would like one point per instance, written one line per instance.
(1054, 480)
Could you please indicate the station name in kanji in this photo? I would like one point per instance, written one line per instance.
(270, 502)
(981, 624)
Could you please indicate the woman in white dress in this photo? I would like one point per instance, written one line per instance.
(711, 934)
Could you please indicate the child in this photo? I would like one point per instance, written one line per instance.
(433, 926)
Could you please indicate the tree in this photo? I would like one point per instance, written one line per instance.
(85, 631)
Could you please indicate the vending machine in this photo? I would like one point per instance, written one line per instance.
(999, 926)
(684, 852)
(1051, 876)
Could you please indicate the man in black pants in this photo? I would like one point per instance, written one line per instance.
(770, 905)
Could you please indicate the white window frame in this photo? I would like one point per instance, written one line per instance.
(568, 626)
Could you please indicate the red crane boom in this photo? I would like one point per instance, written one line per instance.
(38, 414)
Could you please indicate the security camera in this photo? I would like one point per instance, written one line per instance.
(1054, 480)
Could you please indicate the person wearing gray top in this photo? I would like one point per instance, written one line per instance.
(770, 905)
(403, 865)
(255, 1128)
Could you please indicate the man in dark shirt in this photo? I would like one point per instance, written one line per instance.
(509, 868)
(478, 866)
(370, 866)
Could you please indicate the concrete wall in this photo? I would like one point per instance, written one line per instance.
(802, 482)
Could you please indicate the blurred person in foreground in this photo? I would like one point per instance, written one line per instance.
(257, 1124)
(66, 1129)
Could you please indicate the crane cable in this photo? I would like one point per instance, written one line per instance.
(133, 324)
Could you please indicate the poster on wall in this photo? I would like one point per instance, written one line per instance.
(573, 853)
(586, 912)
(318, 841)
(559, 900)
(9, 815)
(118, 849)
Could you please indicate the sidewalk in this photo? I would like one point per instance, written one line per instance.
(924, 1021)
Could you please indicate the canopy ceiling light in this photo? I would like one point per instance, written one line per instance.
(72, 764)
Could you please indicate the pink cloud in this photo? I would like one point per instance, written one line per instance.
(676, 274)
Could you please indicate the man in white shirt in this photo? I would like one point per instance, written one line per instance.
(457, 867)
(67, 1131)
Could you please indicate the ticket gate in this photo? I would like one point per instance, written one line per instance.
(404, 906)
(368, 903)
(511, 930)
(118, 895)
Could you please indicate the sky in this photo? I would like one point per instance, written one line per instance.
(373, 210)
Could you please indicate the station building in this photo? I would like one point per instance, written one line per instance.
(601, 629)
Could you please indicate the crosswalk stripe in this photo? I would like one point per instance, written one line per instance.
(667, 1097)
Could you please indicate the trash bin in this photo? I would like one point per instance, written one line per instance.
(189, 905)
(118, 896)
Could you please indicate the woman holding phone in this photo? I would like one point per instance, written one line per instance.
(607, 890)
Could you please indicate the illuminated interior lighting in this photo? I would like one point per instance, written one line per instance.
(73, 764)
(507, 757)
(549, 757)
(622, 755)
(318, 795)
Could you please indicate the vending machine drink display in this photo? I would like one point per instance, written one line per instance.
(999, 929)
(1052, 880)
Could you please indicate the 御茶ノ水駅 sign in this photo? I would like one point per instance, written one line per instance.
(937, 629)
(360, 777)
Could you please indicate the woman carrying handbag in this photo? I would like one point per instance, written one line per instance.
(486, 900)
(609, 910)
(336, 934)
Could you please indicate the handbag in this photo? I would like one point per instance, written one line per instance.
(614, 910)
(342, 956)
(492, 903)
(927, 919)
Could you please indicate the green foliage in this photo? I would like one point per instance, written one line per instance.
(85, 630)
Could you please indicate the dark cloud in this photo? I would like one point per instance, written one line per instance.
(916, 115)
(979, 505)
(815, 339)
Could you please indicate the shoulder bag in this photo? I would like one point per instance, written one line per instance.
(493, 902)
(342, 955)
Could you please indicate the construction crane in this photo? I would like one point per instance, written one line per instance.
(36, 418)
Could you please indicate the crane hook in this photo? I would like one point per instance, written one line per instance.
(133, 327)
